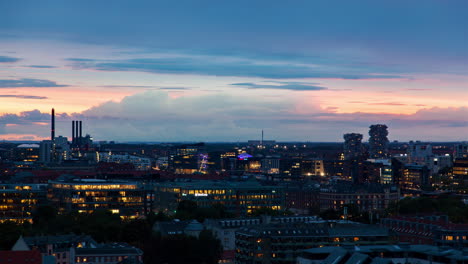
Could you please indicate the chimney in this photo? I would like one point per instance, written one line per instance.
(81, 129)
(73, 131)
(77, 138)
(52, 128)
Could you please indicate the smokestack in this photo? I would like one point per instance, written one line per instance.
(81, 129)
(73, 131)
(52, 128)
(76, 133)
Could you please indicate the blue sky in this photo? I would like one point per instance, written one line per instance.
(224, 70)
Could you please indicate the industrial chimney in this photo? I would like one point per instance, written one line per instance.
(81, 129)
(73, 132)
(52, 128)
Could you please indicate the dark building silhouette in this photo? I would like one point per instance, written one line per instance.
(378, 141)
(52, 123)
(352, 145)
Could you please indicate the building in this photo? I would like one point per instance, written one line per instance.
(419, 153)
(366, 197)
(270, 165)
(126, 199)
(282, 243)
(378, 141)
(18, 201)
(352, 146)
(60, 246)
(383, 254)
(302, 197)
(225, 229)
(238, 197)
(25, 155)
(113, 253)
(71, 249)
(377, 171)
(140, 163)
(461, 151)
(460, 171)
(430, 230)
(46, 151)
(415, 178)
(62, 149)
(312, 167)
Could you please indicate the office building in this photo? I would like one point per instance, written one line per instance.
(282, 243)
(270, 165)
(126, 199)
(369, 197)
(415, 178)
(238, 197)
(460, 172)
(378, 141)
(18, 201)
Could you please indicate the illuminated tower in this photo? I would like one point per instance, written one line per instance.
(378, 141)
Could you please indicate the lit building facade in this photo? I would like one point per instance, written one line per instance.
(460, 172)
(18, 201)
(282, 243)
(366, 197)
(240, 198)
(126, 199)
(415, 177)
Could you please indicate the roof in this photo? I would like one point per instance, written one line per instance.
(59, 239)
(213, 184)
(314, 229)
(357, 258)
(20, 245)
(446, 252)
(21, 257)
(110, 249)
(194, 225)
(28, 146)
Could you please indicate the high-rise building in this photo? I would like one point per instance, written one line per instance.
(46, 151)
(378, 141)
(352, 145)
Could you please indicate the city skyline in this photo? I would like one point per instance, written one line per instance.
(215, 71)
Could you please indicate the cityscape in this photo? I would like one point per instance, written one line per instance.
(243, 133)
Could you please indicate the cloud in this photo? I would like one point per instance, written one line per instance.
(153, 115)
(294, 86)
(388, 103)
(126, 86)
(41, 66)
(22, 96)
(225, 66)
(26, 82)
(6, 59)
(175, 88)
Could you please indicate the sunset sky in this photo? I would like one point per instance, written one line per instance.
(225, 70)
